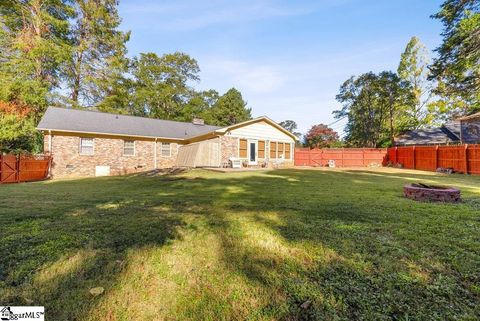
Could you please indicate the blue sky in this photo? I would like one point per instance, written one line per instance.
(288, 58)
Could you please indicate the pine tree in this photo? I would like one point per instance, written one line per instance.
(98, 60)
(457, 68)
(230, 109)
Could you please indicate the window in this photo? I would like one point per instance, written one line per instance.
(261, 149)
(128, 148)
(287, 151)
(86, 146)
(242, 153)
(273, 150)
(280, 150)
(165, 149)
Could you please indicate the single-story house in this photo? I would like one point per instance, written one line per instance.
(92, 143)
(464, 130)
(470, 133)
(447, 134)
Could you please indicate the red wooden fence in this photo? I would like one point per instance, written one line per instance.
(23, 168)
(462, 158)
(343, 157)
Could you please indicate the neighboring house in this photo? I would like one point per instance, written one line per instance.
(470, 133)
(91, 143)
(447, 134)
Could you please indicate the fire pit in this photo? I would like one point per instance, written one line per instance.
(423, 192)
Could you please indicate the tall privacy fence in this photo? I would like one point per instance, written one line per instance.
(343, 157)
(24, 168)
(462, 158)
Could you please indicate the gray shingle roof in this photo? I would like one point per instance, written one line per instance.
(83, 121)
(447, 134)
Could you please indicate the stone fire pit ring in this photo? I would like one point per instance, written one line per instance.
(422, 192)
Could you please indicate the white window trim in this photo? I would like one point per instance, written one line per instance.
(169, 149)
(80, 146)
(134, 148)
(249, 142)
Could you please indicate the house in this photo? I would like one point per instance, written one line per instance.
(92, 143)
(470, 129)
(447, 134)
(464, 130)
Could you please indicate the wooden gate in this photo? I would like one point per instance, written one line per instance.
(8, 169)
(24, 168)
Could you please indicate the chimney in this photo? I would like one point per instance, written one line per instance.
(198, 121)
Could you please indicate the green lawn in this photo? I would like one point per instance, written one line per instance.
(276, 245)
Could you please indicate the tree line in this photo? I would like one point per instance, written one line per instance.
(71, 53)
(421, 92)
(379, 106)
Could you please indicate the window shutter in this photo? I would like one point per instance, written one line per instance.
(280, 150)
(273, 150)
(242, 152)
(261, 149)
(287, 151)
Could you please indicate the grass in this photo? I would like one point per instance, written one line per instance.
(277, 245)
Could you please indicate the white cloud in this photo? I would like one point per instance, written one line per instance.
(251, 77)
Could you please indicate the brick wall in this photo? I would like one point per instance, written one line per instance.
(228, 148)
(68, 162)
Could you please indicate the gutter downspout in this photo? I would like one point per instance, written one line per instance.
(50, 152)
(155, 154)
(50, 141)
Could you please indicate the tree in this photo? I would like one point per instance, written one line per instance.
(321, 136)
(375, 108)
(230, 109)
(36, 35)
(200, 105)
(413, 68)
(291, 126)
(98, 52)
(457, 67)
(366, 118)
(17, 128)
(34, 44)
(398, 98)
(161, 84)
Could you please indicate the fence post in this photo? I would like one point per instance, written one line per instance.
(466, 158)
(396, 155)
(18, 169)
(436, 157)
(414, 163)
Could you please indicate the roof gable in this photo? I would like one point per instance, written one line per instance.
(256, 120)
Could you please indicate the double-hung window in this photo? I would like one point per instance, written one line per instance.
(165, 151)
(128, 148)
(86, 146)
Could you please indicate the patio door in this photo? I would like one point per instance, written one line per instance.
(252, 152)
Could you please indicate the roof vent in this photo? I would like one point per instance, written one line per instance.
(198, 121)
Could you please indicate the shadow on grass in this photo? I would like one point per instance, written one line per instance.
(339, 244)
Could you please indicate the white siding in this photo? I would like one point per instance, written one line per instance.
(261, 131)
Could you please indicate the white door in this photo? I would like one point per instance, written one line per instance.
(252, 152)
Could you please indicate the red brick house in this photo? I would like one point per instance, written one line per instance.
(91, 143)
